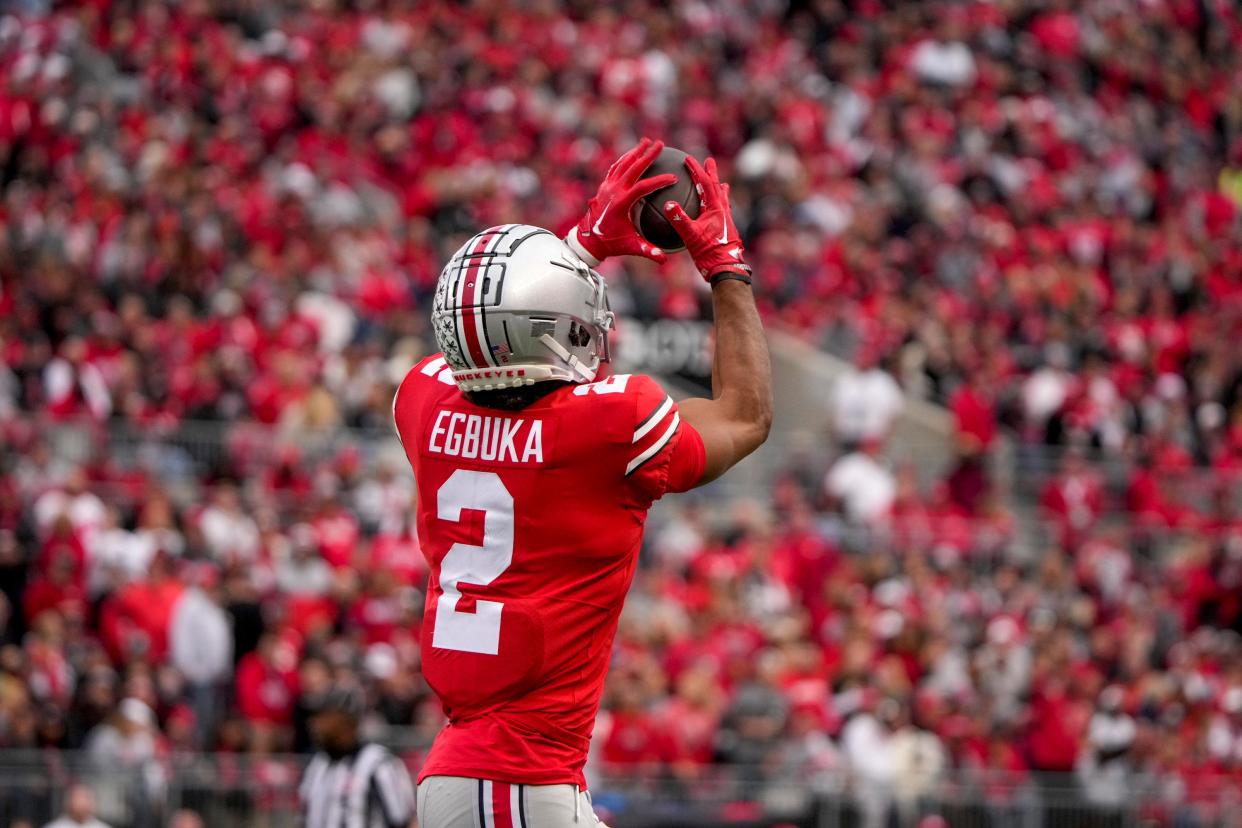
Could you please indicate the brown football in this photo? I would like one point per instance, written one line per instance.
(649, 211)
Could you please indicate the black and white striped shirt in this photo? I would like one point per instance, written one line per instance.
(367, 789)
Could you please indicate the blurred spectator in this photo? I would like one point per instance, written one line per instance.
(863, 485)
(79, 810)
(866, 400)
(82, 510)
(201, 648)
(1104, 765)
(919, 762)
(868, 742)
(267, 683)
(135, 619)
(383, 501)
(186, 819)
(1003, 663)
(230, 533)
(122, 752)
(1074, 499)
(118, 556)
(128, 740)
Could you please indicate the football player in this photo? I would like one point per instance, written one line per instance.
(535, 471)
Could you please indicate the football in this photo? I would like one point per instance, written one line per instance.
(649, 211)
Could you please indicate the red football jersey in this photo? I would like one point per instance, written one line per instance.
(531, 523)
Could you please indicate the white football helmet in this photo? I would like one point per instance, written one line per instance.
(515, 306)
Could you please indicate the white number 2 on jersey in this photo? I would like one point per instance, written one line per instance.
(613, 385)
(478, 631)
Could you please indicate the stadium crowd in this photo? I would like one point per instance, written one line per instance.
(223, 210)
(235, 212)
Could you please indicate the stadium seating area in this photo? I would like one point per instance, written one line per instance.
(1042, 197)
(1029, 211)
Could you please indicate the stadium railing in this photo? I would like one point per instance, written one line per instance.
(261, 792)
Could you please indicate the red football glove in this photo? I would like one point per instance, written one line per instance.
(711, 239)
(607, 229)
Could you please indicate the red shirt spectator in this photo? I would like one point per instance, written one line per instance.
(267, 683)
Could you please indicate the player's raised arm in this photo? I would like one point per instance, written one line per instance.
(736, 420)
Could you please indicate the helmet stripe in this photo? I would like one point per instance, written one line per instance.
(472, 288)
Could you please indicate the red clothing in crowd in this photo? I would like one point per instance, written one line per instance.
(266, 690)
(65, 597)
(135, 620)
(1057, 725)
(401, 555)
(635, 739)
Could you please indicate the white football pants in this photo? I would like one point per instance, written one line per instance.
(462, 802)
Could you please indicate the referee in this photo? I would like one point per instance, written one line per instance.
(349, 784)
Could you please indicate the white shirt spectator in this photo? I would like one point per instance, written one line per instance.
(865, 487)
(79, 809)
(334, 320)
(128, 741)
(1004, 666)
(229, 533)
(918, 761)
(66, 822)
(864, 404)
(60, 378)
(303, 573)
(119, 556)
(1103, 768)
(868, 748)
(1044, 392)
(200, 639)
(1111, 732)
(949, 63)
(384, 501)
(86, 511)
(9, 390)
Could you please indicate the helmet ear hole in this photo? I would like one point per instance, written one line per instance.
(579, 336)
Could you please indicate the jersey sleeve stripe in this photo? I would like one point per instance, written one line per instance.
(655, 447)
(653, 419)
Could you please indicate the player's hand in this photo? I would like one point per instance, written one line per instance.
(607, 228)
(711, 239)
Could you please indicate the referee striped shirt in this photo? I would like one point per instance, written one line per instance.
(367, 789)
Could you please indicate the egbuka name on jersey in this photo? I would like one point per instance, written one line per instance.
(491, 439)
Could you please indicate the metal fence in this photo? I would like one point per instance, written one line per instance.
(261, 792)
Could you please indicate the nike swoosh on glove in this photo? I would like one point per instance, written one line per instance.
(606, 229)
(711, 239)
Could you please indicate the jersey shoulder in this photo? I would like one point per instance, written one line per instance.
(641, 415)
(429, 381)
(430, 376)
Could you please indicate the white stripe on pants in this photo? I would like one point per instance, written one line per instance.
(462, 802)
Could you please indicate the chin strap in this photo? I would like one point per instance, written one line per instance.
(572, 361)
